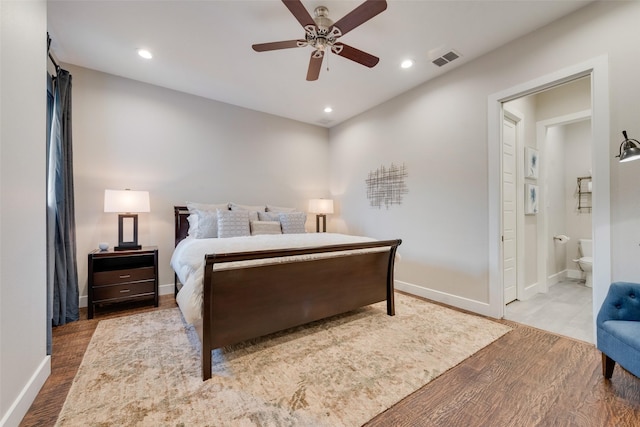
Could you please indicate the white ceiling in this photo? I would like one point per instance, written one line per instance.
(204, 47)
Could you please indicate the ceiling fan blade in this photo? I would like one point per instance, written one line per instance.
(263, 47)
(360, 15)
(315, 63)
(354, 54)
(299, 11)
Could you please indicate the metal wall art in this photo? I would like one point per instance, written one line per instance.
(386, 186)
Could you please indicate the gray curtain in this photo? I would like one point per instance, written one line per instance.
(61, 206)
(50, 218)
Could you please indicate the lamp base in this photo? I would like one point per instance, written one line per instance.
(324, 223)
(130, 245)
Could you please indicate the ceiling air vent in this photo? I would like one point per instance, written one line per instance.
(446, 58)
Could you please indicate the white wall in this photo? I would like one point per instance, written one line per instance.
(440, 131)
(181, 148)
(24, 365)
(555, 200)
(578, 163)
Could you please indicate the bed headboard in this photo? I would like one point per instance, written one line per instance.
(182, 225)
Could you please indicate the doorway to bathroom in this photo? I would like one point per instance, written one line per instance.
(547, 183)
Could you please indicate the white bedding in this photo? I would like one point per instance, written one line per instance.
(188, 259)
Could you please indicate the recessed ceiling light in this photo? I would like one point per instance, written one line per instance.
(145, 53)
(328, 109)
(407, 63)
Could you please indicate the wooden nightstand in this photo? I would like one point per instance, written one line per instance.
(119, 276)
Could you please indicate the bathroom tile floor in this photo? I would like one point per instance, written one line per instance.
(566, 310)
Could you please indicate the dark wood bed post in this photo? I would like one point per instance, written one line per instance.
(205, 340)
(180, 215)
(391, 303)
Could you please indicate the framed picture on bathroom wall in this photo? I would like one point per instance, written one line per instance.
(531, 199)
(531, 163)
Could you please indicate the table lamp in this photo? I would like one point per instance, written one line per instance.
(321, 207)
(127, 204)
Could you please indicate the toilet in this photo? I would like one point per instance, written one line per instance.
(585, 246)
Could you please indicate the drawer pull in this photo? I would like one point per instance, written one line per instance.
(125, 276)
(124, 291)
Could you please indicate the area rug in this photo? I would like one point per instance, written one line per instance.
(144, 369)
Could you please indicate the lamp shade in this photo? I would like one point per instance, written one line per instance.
(321, 206)
(126, 201)
(629, 149)
(630, 153)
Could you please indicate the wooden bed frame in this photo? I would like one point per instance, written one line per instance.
(245, 303)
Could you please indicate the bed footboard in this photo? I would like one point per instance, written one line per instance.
(245, 303)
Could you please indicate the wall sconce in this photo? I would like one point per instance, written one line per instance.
(629, 149)
(127, 204)
(321, 207)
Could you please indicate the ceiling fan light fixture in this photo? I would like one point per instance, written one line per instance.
(322, 18)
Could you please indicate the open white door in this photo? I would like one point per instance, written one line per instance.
(509, 210)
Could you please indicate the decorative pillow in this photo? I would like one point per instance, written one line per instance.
(233, 223)
(271, 208)
(265, 227)
(292, 222)
(269, 216)
(208, 214)
(253, 210)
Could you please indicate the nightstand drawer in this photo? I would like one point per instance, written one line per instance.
(123, 276)
(126, 290)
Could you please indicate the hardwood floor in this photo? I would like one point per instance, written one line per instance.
(526, 378)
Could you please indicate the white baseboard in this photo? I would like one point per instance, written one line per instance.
(575, 274)
(166, 289)
(530, 291)
(162, 290)
(445, 298)
(21, 405)
(555, 278)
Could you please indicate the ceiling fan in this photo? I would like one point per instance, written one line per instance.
(322, 34)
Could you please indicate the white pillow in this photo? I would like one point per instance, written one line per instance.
(237, 207)
(253, 210)
(265, 227)
(233, 223)
(268, 216)
(206, 224)
(206, 206)
(203, 219)
(271, 208)
(293, 222)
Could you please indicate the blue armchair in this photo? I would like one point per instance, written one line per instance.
(618, 328)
